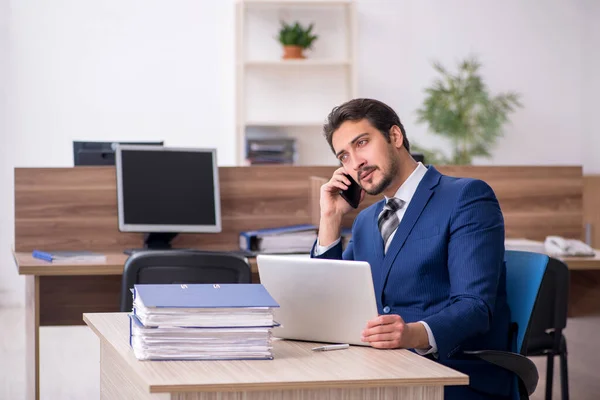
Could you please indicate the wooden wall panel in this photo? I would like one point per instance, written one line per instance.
(591, 206)
(76, 208)
(536, 201)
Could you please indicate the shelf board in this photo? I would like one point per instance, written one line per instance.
(297, 2)
(285, 123)
(308, 62)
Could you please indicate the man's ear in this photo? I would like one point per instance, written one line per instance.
(396, 136)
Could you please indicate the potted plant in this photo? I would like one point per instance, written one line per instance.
(295, 39)
(459, 107)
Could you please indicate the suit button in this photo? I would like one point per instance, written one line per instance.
(386, 309)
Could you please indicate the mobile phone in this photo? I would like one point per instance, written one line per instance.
(352, 194)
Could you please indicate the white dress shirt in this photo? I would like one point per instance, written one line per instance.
(405, 193)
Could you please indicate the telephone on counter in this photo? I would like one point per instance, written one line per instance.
(567, 247)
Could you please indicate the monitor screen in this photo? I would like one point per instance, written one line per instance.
(100, 153)
(163, 189)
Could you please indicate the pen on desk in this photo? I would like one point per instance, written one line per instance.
(331, 347)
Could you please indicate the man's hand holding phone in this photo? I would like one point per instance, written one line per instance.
(334, 206)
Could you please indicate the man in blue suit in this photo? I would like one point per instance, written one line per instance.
(435, 245)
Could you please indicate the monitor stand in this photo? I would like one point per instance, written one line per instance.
(155, 241)
(162, 241)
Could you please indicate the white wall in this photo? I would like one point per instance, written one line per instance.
(151, 69)
(122, 70)
(115, 70)
(591, 86)
(11, 286)
(533, 47)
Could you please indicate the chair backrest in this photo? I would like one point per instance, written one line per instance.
(550, 311)
(524, 274)
(181, 266)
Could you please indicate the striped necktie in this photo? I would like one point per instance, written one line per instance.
(388, 220)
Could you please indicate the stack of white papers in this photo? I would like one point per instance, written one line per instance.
(300, 242)
(202, 322)
(205, 318)
(286, 239)
(181, 343)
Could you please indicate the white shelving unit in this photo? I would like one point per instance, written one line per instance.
(299, 63)
(291, 98)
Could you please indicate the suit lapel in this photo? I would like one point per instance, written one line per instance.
(420, 199)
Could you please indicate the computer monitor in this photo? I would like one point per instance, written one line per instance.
(163, 191)
(100, 153)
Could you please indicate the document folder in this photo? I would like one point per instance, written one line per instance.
(204, 305)
(225, 295)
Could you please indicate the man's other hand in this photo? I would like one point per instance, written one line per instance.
(391, 332)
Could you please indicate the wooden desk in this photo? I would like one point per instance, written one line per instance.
(574, 263)
(582, 263)
(29, 265)
(584, 288)
(295, 373)
(58, 293)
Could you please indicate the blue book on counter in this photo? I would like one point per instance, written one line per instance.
(71, 256)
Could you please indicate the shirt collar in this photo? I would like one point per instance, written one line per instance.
(407, 190)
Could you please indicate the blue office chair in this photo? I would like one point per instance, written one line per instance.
(524, 274)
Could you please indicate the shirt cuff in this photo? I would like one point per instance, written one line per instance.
(433, 345)
(322, 249)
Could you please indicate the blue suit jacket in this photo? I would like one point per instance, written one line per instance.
(444, 266)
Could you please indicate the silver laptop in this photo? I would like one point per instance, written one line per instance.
(320, 300)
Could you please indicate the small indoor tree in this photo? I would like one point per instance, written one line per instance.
(460, 108)
(295, 39)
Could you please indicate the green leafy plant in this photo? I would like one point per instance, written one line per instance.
(296, 35)
(460, 108)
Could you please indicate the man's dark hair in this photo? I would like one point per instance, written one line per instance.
(379, 114)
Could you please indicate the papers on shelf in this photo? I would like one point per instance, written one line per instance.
(286, 239)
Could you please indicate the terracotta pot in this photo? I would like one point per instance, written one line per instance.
(291, 52)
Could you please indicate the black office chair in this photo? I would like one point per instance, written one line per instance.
(548, 321)
(181, 266)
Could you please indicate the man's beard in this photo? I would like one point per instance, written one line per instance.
(393, 169)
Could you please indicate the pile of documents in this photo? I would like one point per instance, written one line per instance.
(202, 322)
(286, 239)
